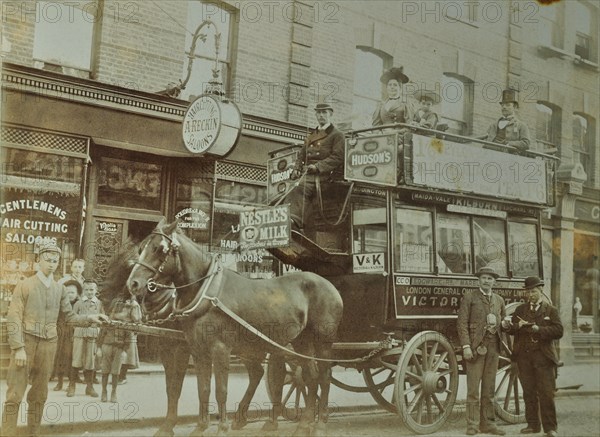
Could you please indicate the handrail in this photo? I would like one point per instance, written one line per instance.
(451, 135)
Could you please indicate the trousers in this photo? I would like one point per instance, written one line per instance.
(481, 371)
(538, 378)
(40, 358)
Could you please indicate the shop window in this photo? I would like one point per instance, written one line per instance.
(489, 237)
(586, 269)
(548, 121)
(368, 68)
(413, 239)
(369, 229)
(63, 36)
(193, 207)
(203, 63)
(586, 35)
(129, 184)
(457, 103)
(523, 249)
(584, 144)
(550, 28)
(453, 245)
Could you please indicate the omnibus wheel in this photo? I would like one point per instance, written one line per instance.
(426, 382)
(508, 403)
(294, 390)
(381, 377)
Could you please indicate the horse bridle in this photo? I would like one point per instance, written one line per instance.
(173, 249)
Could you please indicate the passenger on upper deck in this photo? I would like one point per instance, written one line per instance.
(322, 154)
(396, 108)
(425, 117)
(509, 130)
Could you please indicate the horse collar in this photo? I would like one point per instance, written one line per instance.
(213, 277)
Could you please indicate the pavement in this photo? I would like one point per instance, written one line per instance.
(143, 400)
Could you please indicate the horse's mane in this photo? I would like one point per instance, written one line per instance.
(118, 270)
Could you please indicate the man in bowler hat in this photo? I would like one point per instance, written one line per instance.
(31, 330)
(508, 129)
(535, 325)
(480, 320)
(322, 155)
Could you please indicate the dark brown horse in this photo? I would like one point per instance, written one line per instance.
(174, 354)
(302, 309)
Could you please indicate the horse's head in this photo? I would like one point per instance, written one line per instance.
(158, 262)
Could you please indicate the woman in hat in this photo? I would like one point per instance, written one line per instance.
(425, 117)
(394, 109)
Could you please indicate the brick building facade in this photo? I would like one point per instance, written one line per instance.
(277, 59)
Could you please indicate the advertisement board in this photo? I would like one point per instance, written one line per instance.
(373, 159)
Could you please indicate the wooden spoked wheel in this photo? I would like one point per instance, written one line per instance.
(294, 390)
(381, 378)
(426, 382)
(509, 403)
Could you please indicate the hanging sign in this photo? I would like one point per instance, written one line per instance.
(211, 125)
(265, 227)
(373, 159)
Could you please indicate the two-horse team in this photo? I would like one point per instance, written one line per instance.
(214, 306)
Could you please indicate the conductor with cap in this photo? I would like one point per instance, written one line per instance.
(535, 325)
(480, 320)
(31, 329)
(508, 129)
(322, 156)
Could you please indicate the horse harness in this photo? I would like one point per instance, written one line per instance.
(214, 275)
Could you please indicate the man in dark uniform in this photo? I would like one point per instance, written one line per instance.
(535, 325)
(508, 129)
(31, 330)
(480, 319)
(322, 155)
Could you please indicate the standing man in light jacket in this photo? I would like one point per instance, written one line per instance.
(32, 336)
(536, 325)
(479, 324)
(508, 129)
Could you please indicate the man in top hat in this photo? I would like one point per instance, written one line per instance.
(480, 320)
(31, 329)
(535, 325)
(322, 155)
(508, 129)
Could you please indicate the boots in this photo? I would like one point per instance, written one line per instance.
(72, 382)
(34, 418)
(10, 414)
(89, 389)
(59, 385)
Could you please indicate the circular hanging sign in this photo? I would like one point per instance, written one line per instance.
(201, 124)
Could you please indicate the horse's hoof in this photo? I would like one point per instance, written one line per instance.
(270, 426)
(164, 432)
(199, 430)
(303, 430)
(222, 428)
(319, 430)
(235, 425)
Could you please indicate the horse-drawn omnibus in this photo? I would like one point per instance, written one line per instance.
(417, 214)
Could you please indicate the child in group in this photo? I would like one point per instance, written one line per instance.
(115, 342)
(64, 347)
(425, 117)
(84, 339)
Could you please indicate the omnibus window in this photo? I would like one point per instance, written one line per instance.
(413, 241)
(490, 244)
(523, 247)
(453, 244)
(369, 229)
